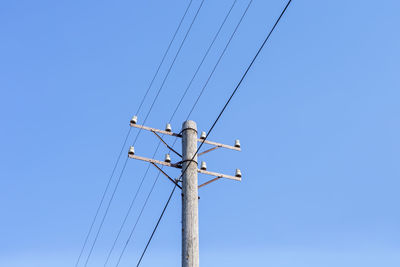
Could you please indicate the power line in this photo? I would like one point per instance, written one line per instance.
(213, 125)
(158, 222)
(172, 116)
(205, 56)
(219, 60)
(102, 199)
(164, 56)
(170, 68)
(147, 115)
(137, 221)
(129, 210)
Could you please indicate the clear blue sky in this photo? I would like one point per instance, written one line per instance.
(317, 116)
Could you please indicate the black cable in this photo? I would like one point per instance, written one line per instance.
(213, 125)
(158, 222)
(147, 115)
(172, 116)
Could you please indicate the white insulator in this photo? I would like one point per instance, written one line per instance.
(203, 135)
(237, 143)
(134, 120)
(238, 173)
(167, 158)
(168, 128)
(131, 151)
(203, 166)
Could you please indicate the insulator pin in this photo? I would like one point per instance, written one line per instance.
(203, 166)
(168, 128)
(238, 173)
(134, 120)
(237, 143)
(167, 158)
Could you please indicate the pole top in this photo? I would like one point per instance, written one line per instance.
(189, 125)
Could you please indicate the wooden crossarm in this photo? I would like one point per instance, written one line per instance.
(220, 175)
(179, 135)
(155, 130)
(218, 144)
(155, 161)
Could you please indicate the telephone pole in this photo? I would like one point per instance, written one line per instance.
(190, 205)
(189, 182)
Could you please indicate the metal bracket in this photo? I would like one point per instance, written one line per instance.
(209, 182)
(209, 150)
(170, 148)
(178, 164)
(172, 180)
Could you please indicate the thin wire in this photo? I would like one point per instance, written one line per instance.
(127, 135)
(147, 115)
(102, 199)
(105, 215)
(218, 61)
(164, 56)
(129, 209)
(170, 68)
(205, 56)
(173, 114)
(137, 221)
(213, 125)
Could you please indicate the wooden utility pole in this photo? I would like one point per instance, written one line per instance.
(190, 205)
(189, 183)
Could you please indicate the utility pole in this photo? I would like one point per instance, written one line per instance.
(190, 204)
(189, 183)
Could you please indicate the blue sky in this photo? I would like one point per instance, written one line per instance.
(317, 116)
